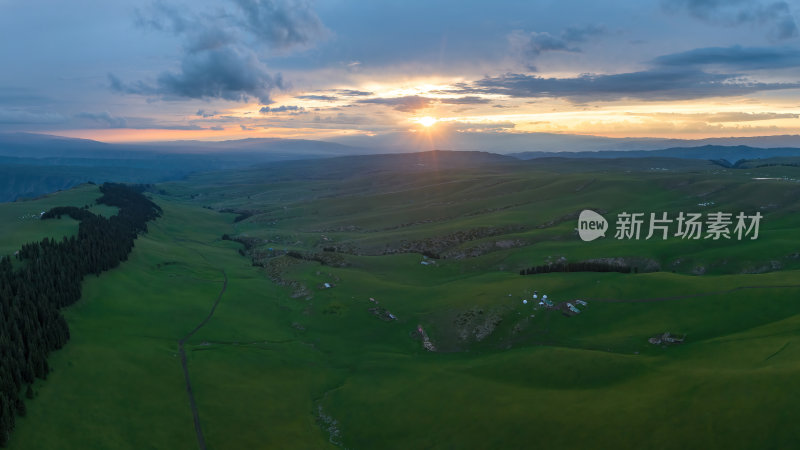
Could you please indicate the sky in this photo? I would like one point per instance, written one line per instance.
(127, 71)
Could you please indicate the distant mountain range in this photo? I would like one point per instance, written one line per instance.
(732, 154)
(236, 152)
(521, 145)
(507, 143)
(35, 164)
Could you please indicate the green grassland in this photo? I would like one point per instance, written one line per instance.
(287, 363)
(20, 220)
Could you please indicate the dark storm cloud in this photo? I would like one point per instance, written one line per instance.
(229, 73)
(280, 109)
(408, 103)
(220, 48)
(736, 57)
(226, 73)
(659, 83)
(775, 16)
(104, 118)
(467, 100)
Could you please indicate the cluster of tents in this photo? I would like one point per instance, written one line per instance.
(543, 302)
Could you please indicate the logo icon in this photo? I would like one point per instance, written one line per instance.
(591, 225)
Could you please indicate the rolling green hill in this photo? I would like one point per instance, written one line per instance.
(325, 311)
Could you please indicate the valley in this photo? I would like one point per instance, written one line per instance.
(382, 307)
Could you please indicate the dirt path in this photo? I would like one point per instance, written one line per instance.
(201, 442)
(702, 294)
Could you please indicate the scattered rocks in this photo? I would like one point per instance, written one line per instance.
(666, 338)
(426, 341)
(508, 243)
(476, 324)
(641, 264)
(447, 245)
(330, 425)
(770, 266)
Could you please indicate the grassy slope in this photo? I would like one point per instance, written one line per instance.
(120, 371)
(266, 363)
(20, 220)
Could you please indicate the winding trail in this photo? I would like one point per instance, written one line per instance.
(701, 294)
(201, 442)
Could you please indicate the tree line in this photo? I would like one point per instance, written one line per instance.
(580, 266)
(46, 277)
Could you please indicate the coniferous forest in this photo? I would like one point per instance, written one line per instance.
(579, 266)
(47, 277)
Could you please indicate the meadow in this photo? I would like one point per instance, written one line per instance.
(286, 362)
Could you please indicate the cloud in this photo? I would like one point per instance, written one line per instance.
(162, 17)
(354, 93)
(104, 118)
(408, 103)
(222, 48)
(136, 87)
(736, 57)
(526, 46)
(472, 127)
(654, 84)
(583, 33)
(324, 98)
(282, 24)
(467, 100)
(342, 119)
(722, 117)
(205, 114)
(280, 109)
(201, 30)
(749, 117)
(776, 16)
(20, 117)
(229, 73)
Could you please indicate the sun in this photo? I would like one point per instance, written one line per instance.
(427, 121)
